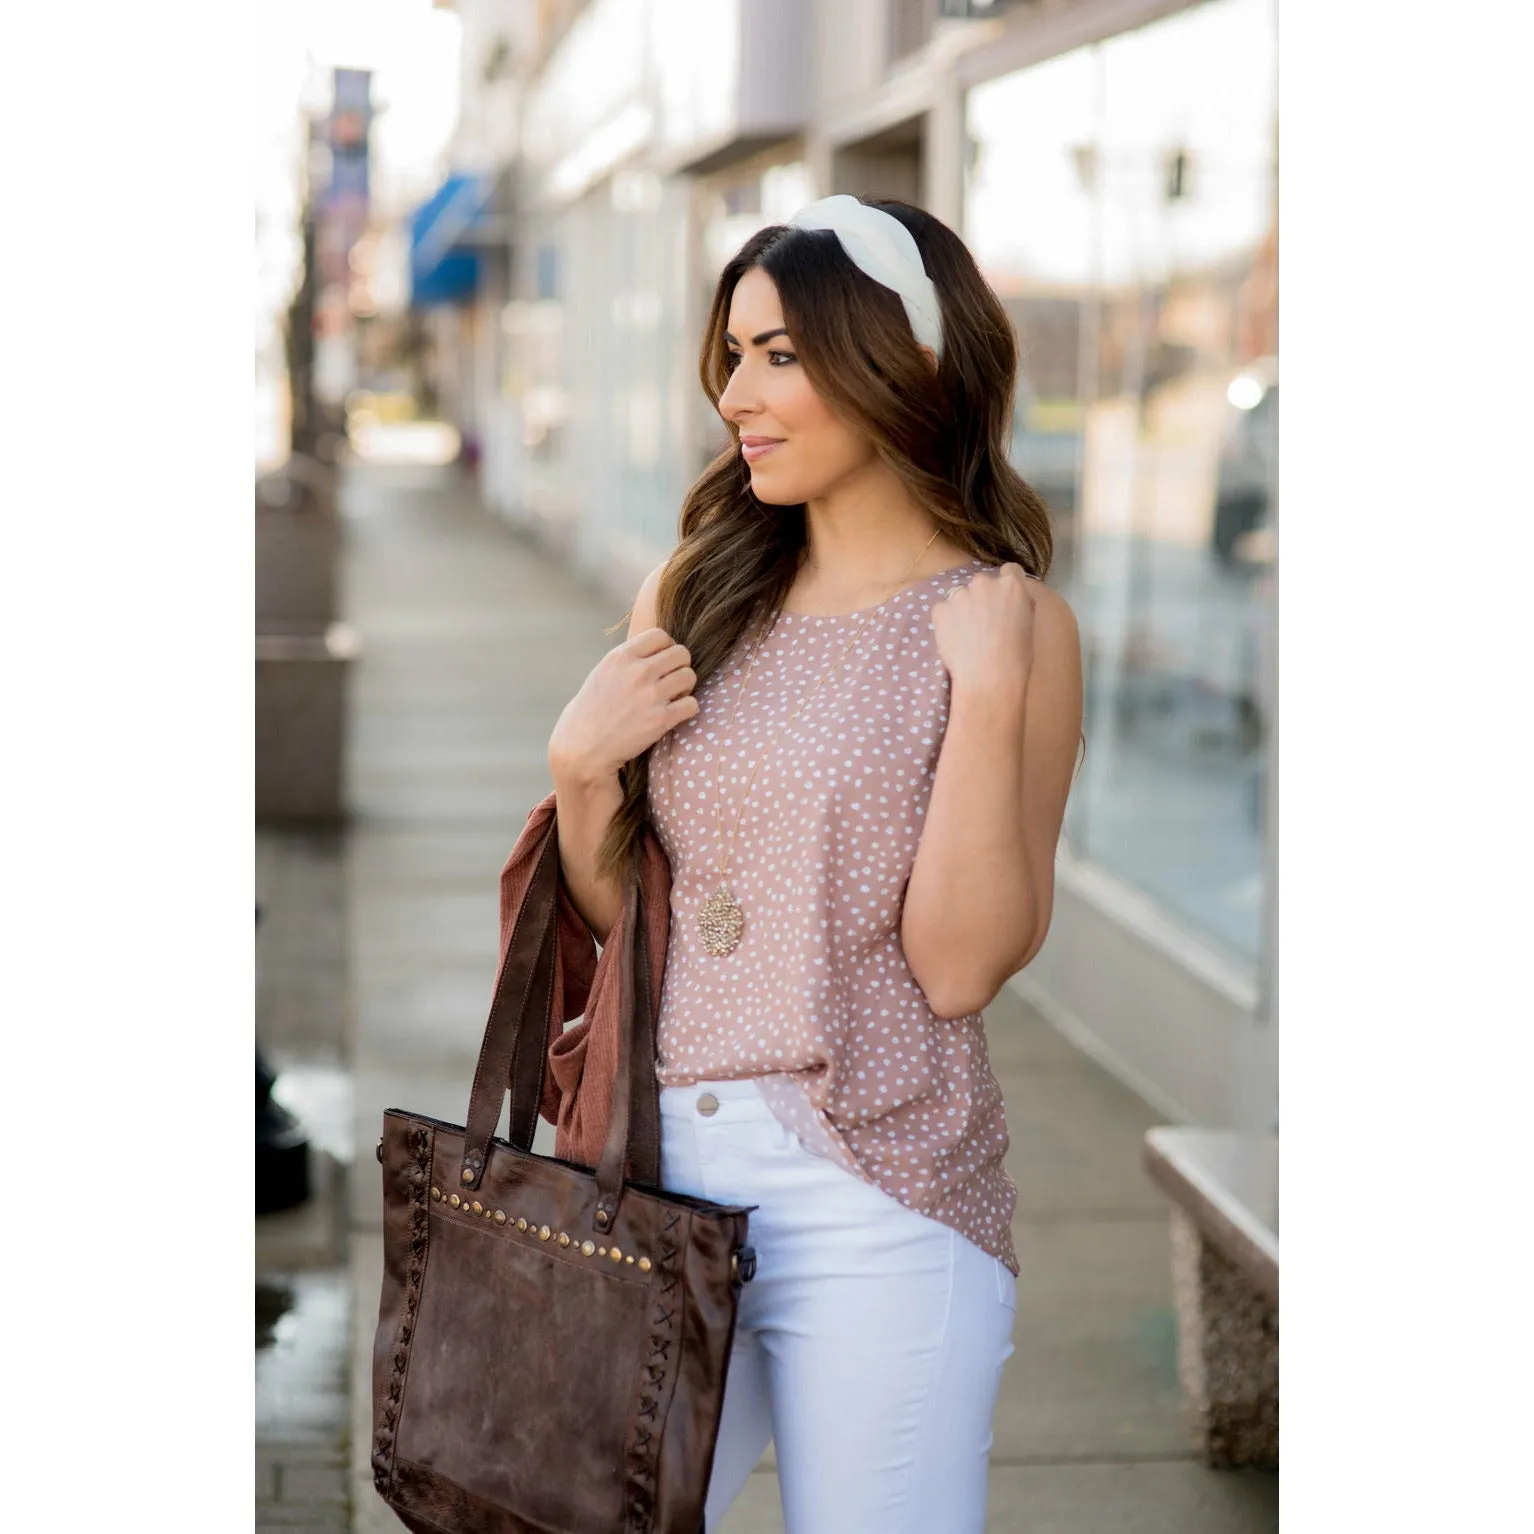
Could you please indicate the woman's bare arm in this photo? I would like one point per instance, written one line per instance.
(981, 893)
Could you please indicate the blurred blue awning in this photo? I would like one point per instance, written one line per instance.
(444, 267)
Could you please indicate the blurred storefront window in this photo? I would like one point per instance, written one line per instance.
(1122, 200)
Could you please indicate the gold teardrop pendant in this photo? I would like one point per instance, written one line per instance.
(721, 922)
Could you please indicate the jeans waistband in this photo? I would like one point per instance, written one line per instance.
(734, 1102)
(725, 1091)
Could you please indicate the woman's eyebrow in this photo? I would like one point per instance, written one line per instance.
(760, 340)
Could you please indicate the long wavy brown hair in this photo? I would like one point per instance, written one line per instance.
(945, 434)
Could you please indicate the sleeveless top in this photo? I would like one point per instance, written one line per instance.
(817, 1001)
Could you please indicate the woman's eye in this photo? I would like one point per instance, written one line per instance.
(774, 358)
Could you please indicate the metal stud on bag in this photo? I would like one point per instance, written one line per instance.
(561, 1238)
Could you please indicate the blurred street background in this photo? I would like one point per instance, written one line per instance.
(487, 233)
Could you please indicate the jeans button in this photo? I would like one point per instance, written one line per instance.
(708, 1104)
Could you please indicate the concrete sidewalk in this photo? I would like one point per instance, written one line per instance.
(473, 642)
(303, 1284)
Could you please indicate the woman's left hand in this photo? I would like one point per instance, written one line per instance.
(984, 630)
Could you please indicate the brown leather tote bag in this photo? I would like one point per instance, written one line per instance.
(552, 1342)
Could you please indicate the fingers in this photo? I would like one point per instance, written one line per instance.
(655, 646)
(1009, 571)
(667, 668)
(647, 642)
(671, 660)
(675, 683)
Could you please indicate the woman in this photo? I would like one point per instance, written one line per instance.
(850, 709)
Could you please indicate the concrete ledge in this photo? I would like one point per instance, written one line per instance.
(1224, 1192)
(1227, 1354)
(1227, 1185)
(301, 688)
(297, 545)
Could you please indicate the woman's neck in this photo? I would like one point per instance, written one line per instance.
(861, 538)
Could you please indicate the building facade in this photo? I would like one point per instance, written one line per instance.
(1112, 165)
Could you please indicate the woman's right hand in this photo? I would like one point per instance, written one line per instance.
(636, 693)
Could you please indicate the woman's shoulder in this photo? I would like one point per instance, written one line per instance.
(1046, 598)
(642, 613)
(1050, 607)
(1045, 595)
(1056, 633)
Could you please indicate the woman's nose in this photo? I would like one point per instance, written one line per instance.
(735, 395)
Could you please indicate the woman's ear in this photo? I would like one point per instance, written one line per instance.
(931, 357)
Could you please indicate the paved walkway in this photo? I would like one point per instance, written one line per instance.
(473, 641)
(303, 1286)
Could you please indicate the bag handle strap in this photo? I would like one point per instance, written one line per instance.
(633, 1129)
(511, 1054)
(523, 1077)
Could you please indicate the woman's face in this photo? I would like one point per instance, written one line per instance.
(768, 397)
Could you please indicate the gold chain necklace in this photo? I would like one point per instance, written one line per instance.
(721, 920)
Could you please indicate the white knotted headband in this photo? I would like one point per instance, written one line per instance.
(883, 248)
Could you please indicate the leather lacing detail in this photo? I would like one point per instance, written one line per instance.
(645, 1429)
(420, 1221)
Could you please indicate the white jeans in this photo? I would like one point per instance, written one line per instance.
(870, 1344)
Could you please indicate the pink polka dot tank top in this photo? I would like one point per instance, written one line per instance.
(816, 1001)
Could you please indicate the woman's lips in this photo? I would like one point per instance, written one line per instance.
(752, 451)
